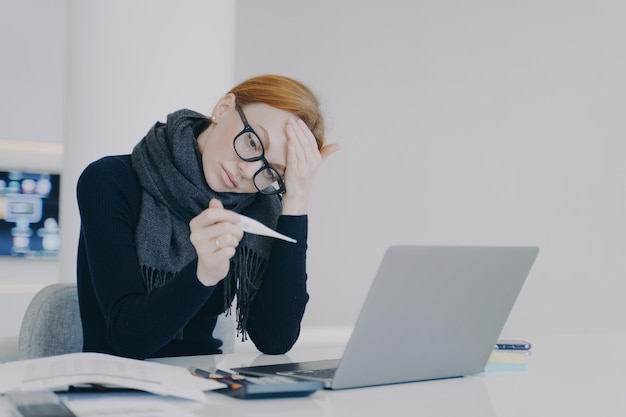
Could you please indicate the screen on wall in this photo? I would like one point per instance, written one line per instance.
(29, 214)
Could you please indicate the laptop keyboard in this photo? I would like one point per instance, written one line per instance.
(273, 379)
(327, 373)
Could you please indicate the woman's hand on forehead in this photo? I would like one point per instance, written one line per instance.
(303, 161)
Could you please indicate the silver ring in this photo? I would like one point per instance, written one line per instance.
(217, 243)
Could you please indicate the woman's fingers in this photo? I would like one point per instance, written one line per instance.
(303, 140)
(215, 237)
(329, 149)
(214, 214)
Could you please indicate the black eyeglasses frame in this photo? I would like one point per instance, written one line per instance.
(266, 165)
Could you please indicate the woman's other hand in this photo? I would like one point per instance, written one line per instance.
(215, 237)
(303, 160)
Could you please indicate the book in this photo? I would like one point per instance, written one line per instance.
(62, 372)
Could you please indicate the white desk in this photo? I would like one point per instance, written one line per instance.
(574, 375)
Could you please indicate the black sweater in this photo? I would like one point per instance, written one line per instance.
(121, 318)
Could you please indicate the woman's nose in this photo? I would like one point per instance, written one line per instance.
(248, 169)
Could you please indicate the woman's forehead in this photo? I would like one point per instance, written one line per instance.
(264, 114)
(269, 122)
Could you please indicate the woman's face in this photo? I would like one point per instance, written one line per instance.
(224, 171)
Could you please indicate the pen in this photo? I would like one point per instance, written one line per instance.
(220, 376)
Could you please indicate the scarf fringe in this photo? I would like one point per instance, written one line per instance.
(243, 282)
(155, 278)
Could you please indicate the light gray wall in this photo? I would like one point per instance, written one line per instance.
(32, 70)
(32, 109)
(482, 122)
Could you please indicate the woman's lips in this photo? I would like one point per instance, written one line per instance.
(228, 179)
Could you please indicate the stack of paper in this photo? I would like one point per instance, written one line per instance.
(76, 369)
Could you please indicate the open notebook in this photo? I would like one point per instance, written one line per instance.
(432, 312)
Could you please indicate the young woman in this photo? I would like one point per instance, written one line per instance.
(160, 253)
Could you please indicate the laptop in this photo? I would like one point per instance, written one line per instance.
(432, 312)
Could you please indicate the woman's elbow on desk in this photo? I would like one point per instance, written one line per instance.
(275, 345)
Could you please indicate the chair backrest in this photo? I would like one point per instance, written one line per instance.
(52, 325)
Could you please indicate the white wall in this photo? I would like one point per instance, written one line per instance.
(482, 122)
(32, 97)
(32, 70)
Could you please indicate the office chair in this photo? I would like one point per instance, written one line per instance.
(51, 324)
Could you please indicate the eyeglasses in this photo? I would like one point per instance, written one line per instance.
(249, 148)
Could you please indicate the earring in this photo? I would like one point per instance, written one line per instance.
(213, 119)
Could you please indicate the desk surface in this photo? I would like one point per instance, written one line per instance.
(568, 375)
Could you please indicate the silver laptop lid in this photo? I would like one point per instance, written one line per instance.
(433, 312)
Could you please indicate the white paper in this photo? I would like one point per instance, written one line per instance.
(129, 405)
(252, 226)
(60, 372)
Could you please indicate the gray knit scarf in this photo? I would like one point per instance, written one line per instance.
(174, 190)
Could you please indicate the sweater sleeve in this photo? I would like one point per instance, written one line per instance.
(137, 323)
(279, 305)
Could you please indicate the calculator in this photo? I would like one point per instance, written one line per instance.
(271, 387)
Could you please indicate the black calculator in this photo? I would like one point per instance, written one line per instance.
(271, 387)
